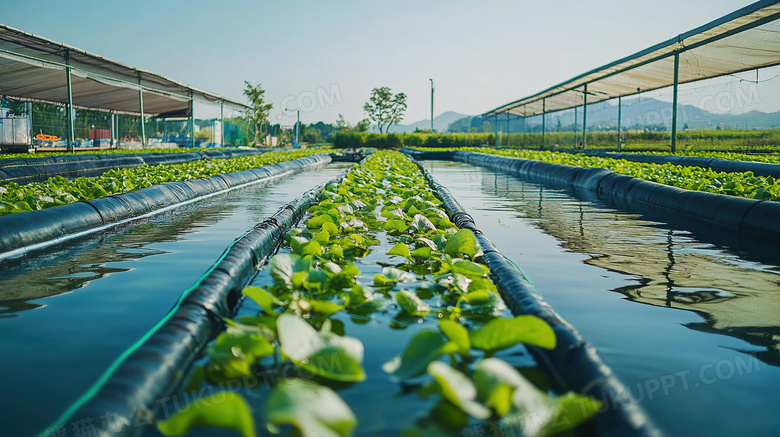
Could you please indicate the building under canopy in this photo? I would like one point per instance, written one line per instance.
(37, 69)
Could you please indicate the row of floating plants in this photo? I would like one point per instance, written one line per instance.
(431, 278)
(690, 178)
(58, 191)
(773, 158)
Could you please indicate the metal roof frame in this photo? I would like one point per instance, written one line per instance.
(678, 60)
(38, 69)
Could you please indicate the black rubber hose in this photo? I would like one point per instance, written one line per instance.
(19, 231)
(157, 366)
(574, 364)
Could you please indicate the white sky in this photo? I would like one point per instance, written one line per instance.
(327, 56)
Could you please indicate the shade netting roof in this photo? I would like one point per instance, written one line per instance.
(32, 67)
(746, 39)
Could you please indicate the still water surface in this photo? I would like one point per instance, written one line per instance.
(66, 313)
(692, 329)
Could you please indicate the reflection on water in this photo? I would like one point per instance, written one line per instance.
(735, 297)
(53, 272)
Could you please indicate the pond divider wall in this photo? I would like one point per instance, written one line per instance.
(25, 231)
(715, 164)
(747, 218)
(574, 364)
(155, 368)
(39, 169)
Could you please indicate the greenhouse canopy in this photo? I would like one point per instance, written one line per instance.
(38, 69)
(744, 40)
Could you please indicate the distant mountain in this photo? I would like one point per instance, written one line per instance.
(440, 122)
(648, 112)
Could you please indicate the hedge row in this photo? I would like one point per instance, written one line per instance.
(396, 141)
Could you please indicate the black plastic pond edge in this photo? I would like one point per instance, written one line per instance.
(137, 386)
(574, 364)
(748, 219)
(38, 169)
(21, 233)
(715, 164)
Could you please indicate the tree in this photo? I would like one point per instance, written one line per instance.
(344, 126)
(385, 108)
(258, 109)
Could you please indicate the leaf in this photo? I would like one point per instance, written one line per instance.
(392, 275)
(412, 304)
(312, 409)
(262, 298)
(423, 252)
(222, 410)
(502, 333)
(395, 227)
(462, 242)
(283, 266)
(540, 414)
(457, 334)
(469, 268)
(458, 389)
(423, 348)
(402, 250)
(328, 355)
(421, 223)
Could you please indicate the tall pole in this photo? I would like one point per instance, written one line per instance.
(141, 106)
(113, 129)
(674, 100)
(575, 127)
(222, 123)
(620, 108)
(297, 123)
(495, 128)
(507, 128)
(192, 118)
(584, 116)
(544, 125)
(69, 116)
(525, 126)
(431, 104)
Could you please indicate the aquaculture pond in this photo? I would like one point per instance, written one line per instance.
(376, 318)
(67, 312)
(690, 327)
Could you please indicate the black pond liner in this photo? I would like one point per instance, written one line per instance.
(745, 219)
(715, 164)
(157, 366)
(26, 231)
(574, 364)
(39, 169)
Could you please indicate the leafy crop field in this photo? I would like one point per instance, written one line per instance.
(690, 178)
(58, 191)
(433, 276)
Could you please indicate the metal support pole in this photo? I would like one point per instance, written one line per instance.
(141, 106)
(584, 116)
(113, 129)
(507, 128)
(431, 105)
(620, 109)
(29, 110)
(575, 127)
(69, 112)
(495, 129)
(297, 123)
(544, 125)
(525, 126)
(192, 118)
(674, 100)
(222, 123)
